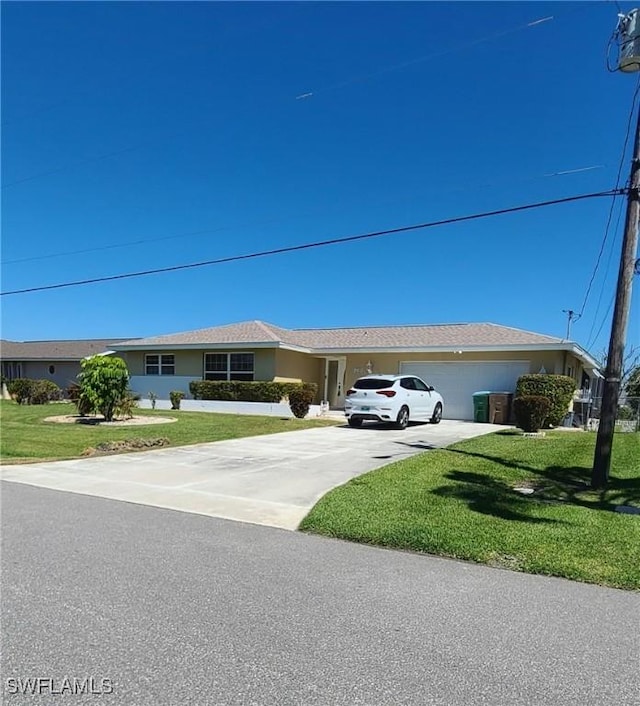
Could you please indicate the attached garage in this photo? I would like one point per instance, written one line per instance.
(457, 382)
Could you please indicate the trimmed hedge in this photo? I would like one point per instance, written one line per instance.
(558, 389)
(531, 411)
(300, 400)
(240, 391)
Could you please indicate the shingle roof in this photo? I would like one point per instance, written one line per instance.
(54, 350)
(369, 337)
(243, 332)
(421, 336)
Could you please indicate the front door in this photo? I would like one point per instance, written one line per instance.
(337, 368)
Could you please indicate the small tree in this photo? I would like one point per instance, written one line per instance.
(632, 389)
(103, 382)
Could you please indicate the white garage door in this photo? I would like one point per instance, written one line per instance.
(457, 382)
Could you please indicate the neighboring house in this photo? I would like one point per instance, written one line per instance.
(50, 360)
(457, 359)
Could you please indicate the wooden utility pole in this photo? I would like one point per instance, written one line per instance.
(613, 374)
(570, 317)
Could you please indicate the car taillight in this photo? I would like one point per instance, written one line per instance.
(386, 393)
(351, 392)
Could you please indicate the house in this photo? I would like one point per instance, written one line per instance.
(457, 359)
(58, 361)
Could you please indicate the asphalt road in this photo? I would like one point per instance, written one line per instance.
(176, 608)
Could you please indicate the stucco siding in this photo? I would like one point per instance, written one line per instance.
(64, 372)
(294, 366)
(190, 363)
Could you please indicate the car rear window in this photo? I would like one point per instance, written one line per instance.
(372, 384)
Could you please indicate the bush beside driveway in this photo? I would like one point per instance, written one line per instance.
(504, 500)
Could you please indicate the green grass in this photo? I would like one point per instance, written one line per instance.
(26, 437)
(459, 502)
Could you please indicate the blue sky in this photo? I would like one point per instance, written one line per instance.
(155, 134)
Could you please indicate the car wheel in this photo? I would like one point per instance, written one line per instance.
(437, 414)
(354, 422)
(403, 418)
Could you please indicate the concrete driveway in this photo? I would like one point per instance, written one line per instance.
(268, 480)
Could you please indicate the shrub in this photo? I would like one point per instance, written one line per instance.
(531, 411)
(299, 401)
(558, 389)
(125, 406)
(20, 389)
(83, 405)
(625, 412)
(176, 396)
(632, 388)
(241, 391)
(153, 397)
(27, 391)
(288, 387)
(104, 380)
(43, 391)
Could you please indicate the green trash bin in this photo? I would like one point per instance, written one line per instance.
(481, 406)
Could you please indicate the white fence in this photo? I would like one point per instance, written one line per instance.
(258, 408)
(586, 414)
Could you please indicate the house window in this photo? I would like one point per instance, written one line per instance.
(160, 364)
(228, 366)
(11, 370)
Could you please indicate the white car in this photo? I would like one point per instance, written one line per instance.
(392, 398)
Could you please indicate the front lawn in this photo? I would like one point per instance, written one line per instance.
(26, 437)
(460, 502)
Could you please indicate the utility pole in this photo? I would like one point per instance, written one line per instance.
(613, 374)
(570, 317)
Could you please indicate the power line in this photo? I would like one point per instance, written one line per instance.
(82, 162)
(80, 87)
(616, 231)
(604, 320)
(613, 200)
(443, 52)
(169, 135)
(426, 57)
(317, 244)
(271, 221)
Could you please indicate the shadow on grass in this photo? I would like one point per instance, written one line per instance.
(490, 497)
(416, 445)
(567, 484)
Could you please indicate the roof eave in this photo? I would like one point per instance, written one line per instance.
(441, 349)
(587, 359)
(40, 359)
(210, 346)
